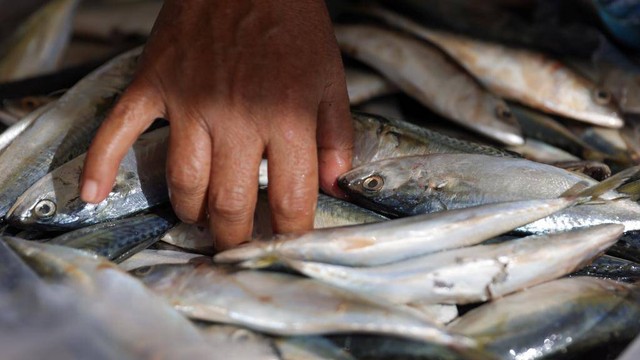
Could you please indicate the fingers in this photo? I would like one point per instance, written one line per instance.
(136, 109)
(188, 169)
(293, 174)
(335, 137)
(233, 186)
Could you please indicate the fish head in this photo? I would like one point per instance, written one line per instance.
(163, 276)
(53, 203)
(401, 186)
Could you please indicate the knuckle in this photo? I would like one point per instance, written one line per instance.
(186, 214)
(293, 205)
(232, 206)
(185, 185)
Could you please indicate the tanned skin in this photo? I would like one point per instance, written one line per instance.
(237, 80)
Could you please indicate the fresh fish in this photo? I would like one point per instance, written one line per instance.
(518, 74)
(470, 274)
(426, 74)
(63, 132)
(539, 151)
(102, 290)
(395, 240)
(53, 202)
(149, 257)
(105, 21)
(556, 317)
(613, 268)
(439, 313)
(12, 132)
(41, 320)
(120, 239)
(628, 247)
(39, 43)
(378, 138)
(539, 126)
(283, 304)
(363, 85)
(425, 184)
(330, 212)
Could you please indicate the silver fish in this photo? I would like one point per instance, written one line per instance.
(53, 202)
(550, 318)
(142, 330)
(330, 212)
(39, 43)
(542, 152)
(283, 304)
(117, 240)
(13, 131)
(395, 240)
(426, 74)
(363, 85)
(431, 183)
(63, 132)
(149, 257)
(471, 274)
(522, 75)
(379, 138)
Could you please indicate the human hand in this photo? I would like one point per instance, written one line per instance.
(237, 79)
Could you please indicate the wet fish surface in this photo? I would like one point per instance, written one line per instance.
(563, 315)
(427, 75)
(53, 202)
(395, 240)
(519, 74)
(63, 132)
(282, 304)
(432, 183)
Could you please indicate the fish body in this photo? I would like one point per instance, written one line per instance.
(566, 314)
(363, 85)
(13, 131)
(117, 240)
(39, 43)
(282, 304)
(395, 240)
(613, 268)
(99, 291)
(149, 257)
(64, 131)
(471, 274)
(379, 138)
(518, 74)
(542, 152)
(425, 184)
(54, 201)
(426, 74)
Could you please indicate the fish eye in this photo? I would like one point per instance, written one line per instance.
(602, 97)
(45, 209)
(373, 183)
(142, 271)
(241, 335)
(503, 112)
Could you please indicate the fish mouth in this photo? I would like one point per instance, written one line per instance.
(345, 184)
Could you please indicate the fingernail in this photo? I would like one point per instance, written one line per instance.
(89, 192)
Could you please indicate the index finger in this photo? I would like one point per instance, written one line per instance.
(135, 110)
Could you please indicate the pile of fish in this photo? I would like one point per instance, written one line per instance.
(492, 207)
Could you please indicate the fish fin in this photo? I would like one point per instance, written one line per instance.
(632, 190)
(594, 192)
(575, 189)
